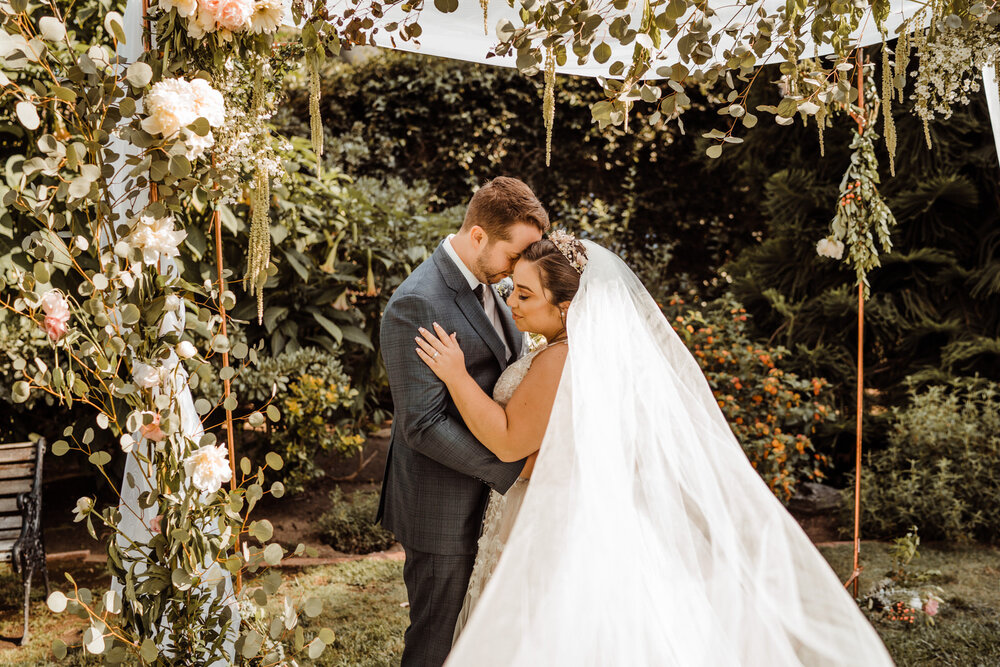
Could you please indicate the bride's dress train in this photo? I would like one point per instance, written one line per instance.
(645, 536)
(501, 510)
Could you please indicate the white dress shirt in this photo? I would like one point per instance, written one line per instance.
(491, 307)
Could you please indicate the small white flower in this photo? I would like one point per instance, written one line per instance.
(156, 238)
(171, 303)
(267, 16)
(186, 350)
(829, 247)
(147, 376)
(208, 468)
(915, 602)
(84, 506)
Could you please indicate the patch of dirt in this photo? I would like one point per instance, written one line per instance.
(294, 517)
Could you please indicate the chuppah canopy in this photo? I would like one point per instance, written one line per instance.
(460, 34)
(466, 34)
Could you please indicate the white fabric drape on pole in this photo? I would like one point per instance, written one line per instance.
(135, 525)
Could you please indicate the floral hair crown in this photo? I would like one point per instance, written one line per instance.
(570, 248)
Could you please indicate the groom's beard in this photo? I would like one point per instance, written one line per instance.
(489, 274)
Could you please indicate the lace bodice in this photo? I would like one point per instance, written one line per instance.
(511, 378)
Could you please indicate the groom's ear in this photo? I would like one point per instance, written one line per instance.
(478, 236)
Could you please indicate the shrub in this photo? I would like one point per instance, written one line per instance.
(772, 412)
(349, 525)
(939, 471)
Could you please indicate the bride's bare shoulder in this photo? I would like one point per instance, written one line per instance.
(549, 360)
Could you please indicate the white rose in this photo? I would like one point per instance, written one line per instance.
(170, 105)
(208, 468)
(197, 145)
(208, 102)
(184, 7)
(186, 350)
(915, 603)
(831, 248)
(156, 237)
(147, 376)
(201, 24)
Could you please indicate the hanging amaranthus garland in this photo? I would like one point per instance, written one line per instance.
(890, 124)
(549, 100)
(315, 120)
(259, 250)
(259, 253)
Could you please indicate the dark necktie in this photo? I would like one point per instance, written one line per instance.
(481, 295)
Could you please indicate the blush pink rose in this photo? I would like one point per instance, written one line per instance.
(55, 325)
(235, 15)
(152, 430)
(931, 607)
(56, 313)
(154, 524)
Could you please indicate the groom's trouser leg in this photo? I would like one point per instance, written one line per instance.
(435, 585)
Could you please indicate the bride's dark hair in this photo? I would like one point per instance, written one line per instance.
(559, 277)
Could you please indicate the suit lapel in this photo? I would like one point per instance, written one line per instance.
(467, 302)
(514, 335)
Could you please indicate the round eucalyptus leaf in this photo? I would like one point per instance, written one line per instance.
(52, 29)
(274, 461)
(57, 602)
(139, 75)
(20, 391)
(313, 607)
(273, 554)
(316, 648)
(27, 115)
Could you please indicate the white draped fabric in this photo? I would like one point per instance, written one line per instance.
(646, 538)
(135, 525)
(460, 35)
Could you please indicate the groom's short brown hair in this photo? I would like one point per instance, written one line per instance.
(502, 202)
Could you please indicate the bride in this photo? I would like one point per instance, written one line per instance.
(644, 537)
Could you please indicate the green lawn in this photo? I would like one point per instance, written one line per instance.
(363, 605)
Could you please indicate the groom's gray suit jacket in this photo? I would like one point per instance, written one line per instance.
(438, 476)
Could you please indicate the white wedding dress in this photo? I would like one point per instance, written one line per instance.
(501, 509)
(645, 536)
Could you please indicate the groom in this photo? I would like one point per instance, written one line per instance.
(438, 476)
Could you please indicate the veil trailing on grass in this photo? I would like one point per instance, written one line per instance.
(646, 537)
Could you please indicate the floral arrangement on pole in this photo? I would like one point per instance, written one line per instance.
(862, 217)
(91, 275)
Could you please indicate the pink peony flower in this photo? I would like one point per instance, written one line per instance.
(235, 15)
(931, 607)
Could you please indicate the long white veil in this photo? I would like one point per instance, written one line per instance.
(646, 537)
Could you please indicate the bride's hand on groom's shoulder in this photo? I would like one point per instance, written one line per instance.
(442, 353)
